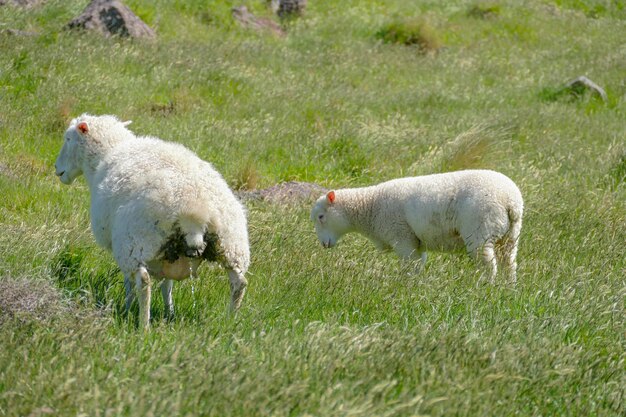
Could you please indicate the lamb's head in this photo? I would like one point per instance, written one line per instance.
(86, 132)
(329, 219)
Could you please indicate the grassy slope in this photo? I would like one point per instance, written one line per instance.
(342, 332)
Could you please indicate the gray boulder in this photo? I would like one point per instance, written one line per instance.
(288, 8)
(111, 17)
(250, 21)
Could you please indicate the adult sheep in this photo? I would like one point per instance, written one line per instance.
(156, 206)
(476, 210)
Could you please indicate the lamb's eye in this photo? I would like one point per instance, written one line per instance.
(320, 217)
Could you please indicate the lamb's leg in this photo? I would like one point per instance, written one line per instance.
(166, 292)
(421, 263)
(507, 254)
(486, 254)
(130, 291)
(409, 253)
(480, 247)
(142, 283)
(238, 285)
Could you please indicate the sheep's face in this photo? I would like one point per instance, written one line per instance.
(68, 164)
(330, 222)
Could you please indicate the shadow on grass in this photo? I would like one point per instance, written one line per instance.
(90, 284)
(616, 175)
(99, 285)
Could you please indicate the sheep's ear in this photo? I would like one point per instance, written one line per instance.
(82, 127)
(126, 123)
(330, 197)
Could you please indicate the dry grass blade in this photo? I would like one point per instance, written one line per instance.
(478, 147)
(28, 299)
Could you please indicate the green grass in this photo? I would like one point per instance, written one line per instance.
(343, 332)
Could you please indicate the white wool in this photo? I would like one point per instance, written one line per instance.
(142, 190)
(476, 210)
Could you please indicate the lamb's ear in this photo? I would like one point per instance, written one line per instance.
(82, 127)
(330, 197)
(127, 122)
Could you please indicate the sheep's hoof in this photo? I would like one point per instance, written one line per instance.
(194, 252)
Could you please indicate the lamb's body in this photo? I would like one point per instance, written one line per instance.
(159, 208)
(476, 210)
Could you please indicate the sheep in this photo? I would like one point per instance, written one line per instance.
(158, 207)
(476, 210)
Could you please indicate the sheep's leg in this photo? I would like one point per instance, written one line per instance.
(130, 291)
(166, 292)
(142, 283)
(238, 285)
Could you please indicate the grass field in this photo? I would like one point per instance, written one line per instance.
(357, 92)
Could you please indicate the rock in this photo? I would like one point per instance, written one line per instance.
(288, 8)
(111, 17)
(581, 84)
(292, 192)
(7, 172)
(24, 3)
(17, 32)
(248, 20)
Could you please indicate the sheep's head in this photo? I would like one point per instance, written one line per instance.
(329, 220)
(68, 165)
(88, 137)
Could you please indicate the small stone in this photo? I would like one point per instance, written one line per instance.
(581, 84)
(17, 32)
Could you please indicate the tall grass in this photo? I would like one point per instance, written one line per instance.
(323, 332)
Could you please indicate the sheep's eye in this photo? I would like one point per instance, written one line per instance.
(320, 217)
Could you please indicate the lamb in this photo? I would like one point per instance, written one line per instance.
(476, 210)
(158, 207)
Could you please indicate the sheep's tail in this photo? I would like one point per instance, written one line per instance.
(194, 220)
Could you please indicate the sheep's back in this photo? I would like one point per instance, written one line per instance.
(162, 180)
